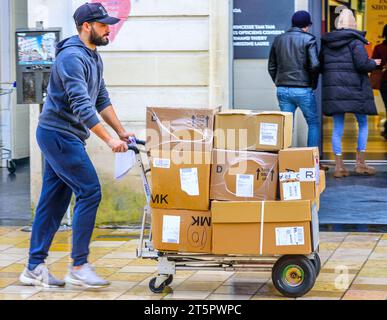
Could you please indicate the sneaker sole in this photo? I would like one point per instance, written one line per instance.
(81, 283)
(37, 283)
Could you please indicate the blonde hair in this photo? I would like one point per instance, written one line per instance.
(346, 20)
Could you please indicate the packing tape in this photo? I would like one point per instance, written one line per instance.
(203, 133)
(262, 221)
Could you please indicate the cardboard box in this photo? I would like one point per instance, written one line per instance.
(181, 230)
(254, 131)
(181, 128)
(299, 173)
(288, 227)
(180, 180)
(244, 175)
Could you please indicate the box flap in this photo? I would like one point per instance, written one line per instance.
(237, 111)
(303, 149)
(188, 109)
(284, 114)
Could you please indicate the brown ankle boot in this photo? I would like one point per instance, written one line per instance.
(361, 167)
(340, 170)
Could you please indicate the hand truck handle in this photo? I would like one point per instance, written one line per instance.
(132, 145)
(140, 142)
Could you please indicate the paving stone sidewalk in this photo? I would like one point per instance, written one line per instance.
(354, 267)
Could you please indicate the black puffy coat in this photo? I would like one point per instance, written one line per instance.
(345, 66)
(293, 60)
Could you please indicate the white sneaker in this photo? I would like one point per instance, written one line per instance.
(40, 276)
(86, 277)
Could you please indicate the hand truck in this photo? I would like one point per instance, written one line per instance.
(292, 275)
(6, 154)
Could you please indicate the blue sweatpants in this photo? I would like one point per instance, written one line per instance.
(68, 170)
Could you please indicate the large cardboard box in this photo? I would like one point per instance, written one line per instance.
(244, 175)
(250, 130)
(181, 230)
(299, 173)
(188, 129)
(180, 179)
(264, 228)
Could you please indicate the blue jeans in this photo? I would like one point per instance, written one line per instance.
(68, 170)
(338, 130)
(291, 98)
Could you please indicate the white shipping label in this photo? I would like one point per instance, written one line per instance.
(189, 181)
(307, 174)
(161, 163)
(291, 191)
(171, 229)
(268, 134)
(245, 185)
(292, 236)
(289, 175)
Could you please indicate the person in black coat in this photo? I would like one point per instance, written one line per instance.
(380, 52)
(346, 87)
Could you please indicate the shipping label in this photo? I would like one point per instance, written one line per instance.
(289, 176)
(307, 174)
(245, 185)
(161, 163)
(171, 229)
(189, 181)
(292, 236)
(291, 190)
(268, 134)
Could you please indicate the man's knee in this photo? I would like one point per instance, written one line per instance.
(93, 194)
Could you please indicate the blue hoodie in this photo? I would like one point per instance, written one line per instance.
(76, 90)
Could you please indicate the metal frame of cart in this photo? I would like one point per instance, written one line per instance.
(5, 153)
(292, 275)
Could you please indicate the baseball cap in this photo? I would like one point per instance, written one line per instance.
(90, 12)
(301, 19)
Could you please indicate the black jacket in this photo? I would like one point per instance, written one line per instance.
(293, 60)
(345, 66)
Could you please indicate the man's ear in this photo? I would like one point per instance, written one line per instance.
(87, 26)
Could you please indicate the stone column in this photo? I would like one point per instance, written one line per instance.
(220, 54)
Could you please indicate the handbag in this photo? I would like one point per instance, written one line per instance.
(376, 79)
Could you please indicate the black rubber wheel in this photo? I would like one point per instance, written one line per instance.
(155, 289)
(11, 166)
(317, 264)
(169, 280)
(293, 275)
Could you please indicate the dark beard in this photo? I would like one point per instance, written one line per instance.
(97, 40)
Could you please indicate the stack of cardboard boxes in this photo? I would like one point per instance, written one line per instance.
(228, 183)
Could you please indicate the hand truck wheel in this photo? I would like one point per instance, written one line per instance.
(169, 280)
(159, 289)
(11, 166)
(293, 275)
(317, 264)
